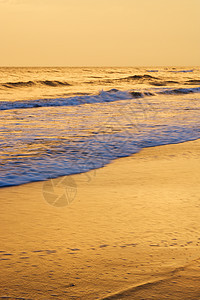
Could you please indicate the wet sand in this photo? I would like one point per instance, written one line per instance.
(130, 230)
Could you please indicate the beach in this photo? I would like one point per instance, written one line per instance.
(129, 230)
(99, 150)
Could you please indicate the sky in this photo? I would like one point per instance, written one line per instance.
(99, 33)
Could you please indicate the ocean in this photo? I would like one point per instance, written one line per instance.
(61, 121)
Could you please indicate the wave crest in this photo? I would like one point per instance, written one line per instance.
(102, 97)
(139, 77)
(22, 84)
(181, 91)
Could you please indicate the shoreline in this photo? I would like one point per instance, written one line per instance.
(95, 169)
(130, 222)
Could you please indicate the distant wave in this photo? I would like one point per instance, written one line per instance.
(135, 79)
(132, 79)
(181, 91)
(147, 79)
(103, 97)
(151, 80)
(181, 71)
(138, 77)
(156, 81)
(164, 83)
(152, 70)
(193, 82)
(21, 84)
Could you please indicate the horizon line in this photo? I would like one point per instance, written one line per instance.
(105, 66)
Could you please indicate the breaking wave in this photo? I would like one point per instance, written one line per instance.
(103, 97)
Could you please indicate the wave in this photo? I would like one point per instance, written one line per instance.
(193, 82)
(182, 71)
(21, 84)
(133, 78)
(151, 80)
(146, 79)
(156, 81)
(55, 158)
(103, 97)
(140, 94)
(180, 91)
(152, 71)
(164, 83)
(138, 77)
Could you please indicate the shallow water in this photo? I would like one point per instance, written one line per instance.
(59, 121)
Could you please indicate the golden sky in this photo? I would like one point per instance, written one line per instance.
(99, 32)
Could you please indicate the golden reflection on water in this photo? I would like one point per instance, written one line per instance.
(51, 140)
(43, 131)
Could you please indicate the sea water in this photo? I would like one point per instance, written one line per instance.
(61, 121)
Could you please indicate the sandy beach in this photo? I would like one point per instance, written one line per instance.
(99, 150)
(131, 231)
